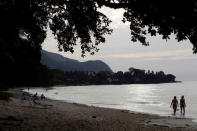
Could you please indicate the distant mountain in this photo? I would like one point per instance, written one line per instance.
(57, 61)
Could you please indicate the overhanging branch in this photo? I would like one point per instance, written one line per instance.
(112, 5)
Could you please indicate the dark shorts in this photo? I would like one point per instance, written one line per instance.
(174, 106)
(182, 106)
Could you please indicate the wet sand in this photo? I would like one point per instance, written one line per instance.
(17, 114)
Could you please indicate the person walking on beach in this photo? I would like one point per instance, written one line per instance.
(182, 105)
(174, 104)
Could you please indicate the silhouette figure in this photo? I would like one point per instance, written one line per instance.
(174, 104)
(42, 97)
(182, 105)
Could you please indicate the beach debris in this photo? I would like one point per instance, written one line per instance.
(93, 116)
(170, 122)
(10, 118)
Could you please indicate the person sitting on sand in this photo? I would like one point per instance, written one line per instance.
(174, 104)
(35, 101)
(23, 96)
(35, 96)
(42, 97)
(182, 105)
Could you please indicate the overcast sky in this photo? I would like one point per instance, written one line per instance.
(120, 53)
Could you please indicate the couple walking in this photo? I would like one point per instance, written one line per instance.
(175, 104)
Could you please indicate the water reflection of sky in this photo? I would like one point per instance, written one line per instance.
(149, 98)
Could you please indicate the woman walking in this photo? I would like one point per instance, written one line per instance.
(174, 104)
(182, 105)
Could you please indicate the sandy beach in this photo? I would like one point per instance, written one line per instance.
(17, 114)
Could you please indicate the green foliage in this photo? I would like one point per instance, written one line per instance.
(58, 77)
(47, 77)
(5, 95)
(20, 58)
(132, 76)
(70, 21)
(74, 20)
(3, 87)
(24, 25)
(81, 20)
(162, 17)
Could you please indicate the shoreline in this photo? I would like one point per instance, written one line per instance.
(20, 115)
(89, 84)
(116, 83)
(136, 112)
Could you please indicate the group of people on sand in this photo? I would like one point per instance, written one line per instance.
(35, 99)
(175, 104)
(27, 96)
(41, 96)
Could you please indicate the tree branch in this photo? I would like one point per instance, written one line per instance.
(111, 5)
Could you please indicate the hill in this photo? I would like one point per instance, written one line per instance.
(57, 61)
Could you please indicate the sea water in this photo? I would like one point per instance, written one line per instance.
(145, 98)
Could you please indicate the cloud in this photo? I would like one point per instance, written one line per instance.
(170, 54)
(184, 57)
(115, 16)
(150, 59)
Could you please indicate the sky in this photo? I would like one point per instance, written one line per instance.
(120, 53)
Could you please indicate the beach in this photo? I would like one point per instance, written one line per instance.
(17, 114)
